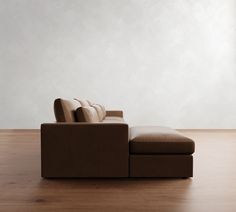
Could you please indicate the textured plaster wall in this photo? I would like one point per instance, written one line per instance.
(164, 62)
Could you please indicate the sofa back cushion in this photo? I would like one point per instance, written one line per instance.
(103, 111)
(83, 102)
(64, 110)
(99, 110)
(88, 114)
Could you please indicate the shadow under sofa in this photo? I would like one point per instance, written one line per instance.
(72, 148)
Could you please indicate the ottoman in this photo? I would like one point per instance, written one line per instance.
(159, 152)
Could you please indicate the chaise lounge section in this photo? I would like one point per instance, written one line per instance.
(159, 152)
(86, 143)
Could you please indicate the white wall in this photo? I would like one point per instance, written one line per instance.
(164, 62)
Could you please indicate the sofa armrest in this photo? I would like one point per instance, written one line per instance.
(84, 150)
(118, 113)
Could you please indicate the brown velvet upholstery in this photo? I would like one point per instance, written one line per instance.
(84, 150)
(161, 165)
(159, 140)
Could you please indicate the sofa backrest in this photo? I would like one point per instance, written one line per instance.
(64, 110)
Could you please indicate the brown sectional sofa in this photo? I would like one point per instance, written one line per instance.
(78, 146)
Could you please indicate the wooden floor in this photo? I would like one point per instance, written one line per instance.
(213, 187)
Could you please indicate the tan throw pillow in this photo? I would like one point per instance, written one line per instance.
(84, 103)
(90, 114)
(99, 110)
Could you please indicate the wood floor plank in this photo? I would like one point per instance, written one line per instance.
(213, 187)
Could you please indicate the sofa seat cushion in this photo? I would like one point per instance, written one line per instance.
(159, 140)
(113, 119)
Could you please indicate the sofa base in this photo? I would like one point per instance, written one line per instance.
(73, 150)
(179, 166)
